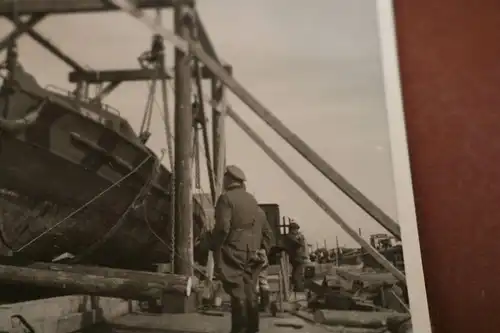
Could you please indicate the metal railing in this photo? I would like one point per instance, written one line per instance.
(68, 93)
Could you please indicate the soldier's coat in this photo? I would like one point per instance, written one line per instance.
(296, 246)
(241, 228)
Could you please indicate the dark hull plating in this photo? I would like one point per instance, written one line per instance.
(62, 161)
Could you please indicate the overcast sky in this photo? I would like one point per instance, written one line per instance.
(317, 67)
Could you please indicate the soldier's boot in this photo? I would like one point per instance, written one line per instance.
(239, 316)
(253, 317)
(264, 300)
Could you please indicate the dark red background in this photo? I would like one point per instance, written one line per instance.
(450, 65)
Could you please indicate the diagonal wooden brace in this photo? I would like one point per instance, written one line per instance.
(48, 45)
(107, 90)
(21, 29)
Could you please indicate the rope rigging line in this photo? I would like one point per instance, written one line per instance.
(144, 132)
(121, 220)
(171, 247)
(202, 99)
(155, 59)
(169, 138)
(85, 205)
(174, 254)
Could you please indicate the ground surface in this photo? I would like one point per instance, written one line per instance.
(185, 323)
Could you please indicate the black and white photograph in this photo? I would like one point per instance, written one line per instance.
(205, 166)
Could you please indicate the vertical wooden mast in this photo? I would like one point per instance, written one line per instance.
(183, 149)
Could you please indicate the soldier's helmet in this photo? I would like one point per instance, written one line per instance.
(294, 226)
(236, 173)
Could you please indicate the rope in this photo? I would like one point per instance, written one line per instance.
(119, 223)
(196, 159)
(171, 248)
(146, 120)
(202, 99)
(172, 221)
(146, 123)
(148, 112)
(170, 138)
(174, 254)
(85, 205)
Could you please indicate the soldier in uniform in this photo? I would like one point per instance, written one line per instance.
(241, 237)
(296, 248)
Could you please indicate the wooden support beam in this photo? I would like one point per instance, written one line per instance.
(314, 196)
(27, 28)
(128, 75)
(27, 7)
(92, 270)
(183, 150)
(218, 138)
(206, 144)
(123, 75)
(204, 39)
(128, 286)
(187, 45)
(207, 73)
(166, 118)
(106, 90)
(47, 44)
(21, 29)
(356, 318)
(218, 133)
(299, 145)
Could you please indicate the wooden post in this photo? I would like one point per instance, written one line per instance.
(219, 152)
(164, 99)
(183, 150)
(218, 133)
(337, 250)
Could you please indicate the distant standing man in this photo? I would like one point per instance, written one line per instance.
(239, 239)
(296, 246)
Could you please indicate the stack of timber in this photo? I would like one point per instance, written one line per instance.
(355, 299)
(359, 290)
(98, 281)
(376, 321)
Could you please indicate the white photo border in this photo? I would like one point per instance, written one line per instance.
(401, 168)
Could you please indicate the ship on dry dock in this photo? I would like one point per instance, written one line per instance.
(89, 210)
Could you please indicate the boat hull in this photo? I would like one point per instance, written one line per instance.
(51, 170)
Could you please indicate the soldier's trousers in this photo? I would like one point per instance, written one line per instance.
(298, 276)
(244, 303)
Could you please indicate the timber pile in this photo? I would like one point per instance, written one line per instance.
(356, 290)
(362, 319)
(99, 281)
(358, 301)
